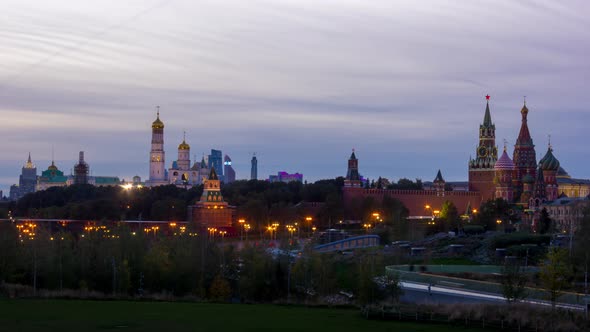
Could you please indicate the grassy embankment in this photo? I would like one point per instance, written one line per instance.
(76, 315)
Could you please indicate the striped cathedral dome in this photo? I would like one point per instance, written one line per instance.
(504, 163)
(549, 162)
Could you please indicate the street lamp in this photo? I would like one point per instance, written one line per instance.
(212, 232)
(367, 227)
(429, 209)
(309, 219)
(242, 221)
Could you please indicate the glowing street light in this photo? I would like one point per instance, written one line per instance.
(242, 223)
(246, 228)
(309, 220)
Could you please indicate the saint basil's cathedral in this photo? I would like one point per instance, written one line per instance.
(519, 180)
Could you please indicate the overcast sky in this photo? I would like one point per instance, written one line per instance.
(300, 83)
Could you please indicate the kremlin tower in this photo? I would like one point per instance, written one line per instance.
(439, 184)
(157, 156)
(353, 179)
(481, 169)
(524, 158)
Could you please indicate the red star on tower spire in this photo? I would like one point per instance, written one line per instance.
(487, 97)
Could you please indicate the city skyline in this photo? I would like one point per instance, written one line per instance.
(297, 83)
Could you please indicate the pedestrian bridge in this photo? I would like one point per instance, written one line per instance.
(351, 243)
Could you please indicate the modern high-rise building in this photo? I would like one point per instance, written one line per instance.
(216, 161)
(254, 168)
(228, 170)
(286, 177)
(158, 174)
(26, 181)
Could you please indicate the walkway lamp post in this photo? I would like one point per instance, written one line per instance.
(241, 221)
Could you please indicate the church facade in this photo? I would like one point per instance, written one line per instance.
(181, 173)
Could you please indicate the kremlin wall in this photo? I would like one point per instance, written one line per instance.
(519, 179)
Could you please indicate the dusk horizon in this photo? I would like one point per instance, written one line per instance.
(298, 84)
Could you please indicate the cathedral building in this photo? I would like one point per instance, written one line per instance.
(181, 173)
(504, 168)
(520, 180)
(525, 160)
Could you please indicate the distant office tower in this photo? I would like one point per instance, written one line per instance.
(216, 161)
(230, 174)
(26, 182)
(286, 177)
(157, 155)
(254, 169)
(81, 170)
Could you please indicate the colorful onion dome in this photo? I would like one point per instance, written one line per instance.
(158, 124)
(504, 163)
(549, 162)
(184, 146)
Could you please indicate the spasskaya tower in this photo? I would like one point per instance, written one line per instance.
(481, 169)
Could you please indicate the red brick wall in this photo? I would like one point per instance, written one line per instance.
(218, 218)
(416, 200)
(482, 181)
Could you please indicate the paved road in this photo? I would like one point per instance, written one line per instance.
(420, 293)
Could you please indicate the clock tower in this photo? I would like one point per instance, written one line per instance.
(157, 160)
(481, 169)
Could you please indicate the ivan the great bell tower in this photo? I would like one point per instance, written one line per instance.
(481, 169)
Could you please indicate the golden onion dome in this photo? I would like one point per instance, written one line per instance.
(524, 109)
(184, 146)
(52, 167)
(158, 124)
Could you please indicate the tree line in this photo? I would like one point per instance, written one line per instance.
(121, 264)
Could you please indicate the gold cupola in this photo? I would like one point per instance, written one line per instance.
(158, 124)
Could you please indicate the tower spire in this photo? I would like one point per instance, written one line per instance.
(487, 119)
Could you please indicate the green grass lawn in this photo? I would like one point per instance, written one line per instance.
(75, 315)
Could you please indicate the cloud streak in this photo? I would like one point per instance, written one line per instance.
(400, 81)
